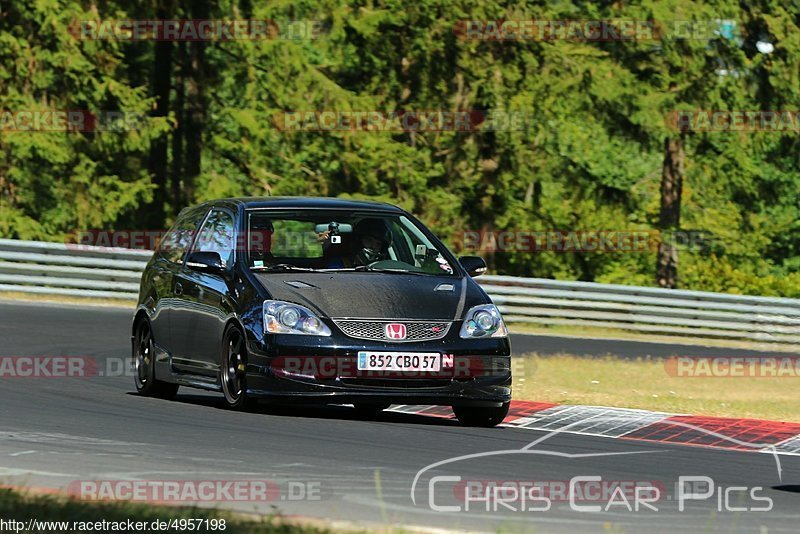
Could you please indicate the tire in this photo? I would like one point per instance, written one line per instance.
(481, 417)
(370, 409)
(144, 373)
(233, 370)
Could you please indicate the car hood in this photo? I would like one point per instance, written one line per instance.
(375, 295)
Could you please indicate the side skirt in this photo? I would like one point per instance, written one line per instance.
(166, 373)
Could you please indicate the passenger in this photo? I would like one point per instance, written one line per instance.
(334, 255)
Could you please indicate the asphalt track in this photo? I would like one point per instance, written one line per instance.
(54, 431)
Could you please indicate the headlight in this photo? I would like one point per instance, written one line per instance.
(287, 318)
(483, 321)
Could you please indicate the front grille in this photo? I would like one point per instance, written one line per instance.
(375, 330)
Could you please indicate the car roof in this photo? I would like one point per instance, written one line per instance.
(306, 203)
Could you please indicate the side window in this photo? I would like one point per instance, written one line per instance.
(217, 235)
(173, 246)
(425, 254)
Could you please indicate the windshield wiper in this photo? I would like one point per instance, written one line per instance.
(367, 268)
(282, 267)
(397, 271)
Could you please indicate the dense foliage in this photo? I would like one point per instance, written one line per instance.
(590, 157)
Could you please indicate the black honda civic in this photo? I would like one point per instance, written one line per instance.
(319, 300)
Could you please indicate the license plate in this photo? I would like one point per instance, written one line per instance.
(399, 361)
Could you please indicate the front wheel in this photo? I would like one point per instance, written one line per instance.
(233, 372)
(481, 416)
(144, 363)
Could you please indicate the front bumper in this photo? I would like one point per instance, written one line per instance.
(313, 369)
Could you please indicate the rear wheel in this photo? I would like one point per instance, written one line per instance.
(480, 416)
(144, 375)
(233, 372)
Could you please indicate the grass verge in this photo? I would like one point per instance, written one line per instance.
(60, 299)
(24, 506)
(618, 333)
(645, 384)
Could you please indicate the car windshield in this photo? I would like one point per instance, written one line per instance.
(341, 241)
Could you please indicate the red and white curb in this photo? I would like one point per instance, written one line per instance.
(622, 423)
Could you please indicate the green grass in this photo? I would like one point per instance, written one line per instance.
(63, 299)
(618, 333)
(646, 384)
(44, 507)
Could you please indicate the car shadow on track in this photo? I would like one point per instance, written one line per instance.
(314, 411)
(791, 488)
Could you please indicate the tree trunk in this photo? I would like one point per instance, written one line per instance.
(670, 217)
(157, 162)
(487, 205)
(178, 168)
(195, 105)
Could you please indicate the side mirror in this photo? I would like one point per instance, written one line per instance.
(474, 265)
(206, 262)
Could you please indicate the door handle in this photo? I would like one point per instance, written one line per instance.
(178, 288)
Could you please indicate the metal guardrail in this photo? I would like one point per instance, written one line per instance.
(645, 309)
(71, 270)
(77, 270)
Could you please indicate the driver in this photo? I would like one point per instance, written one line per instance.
(373, 238)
